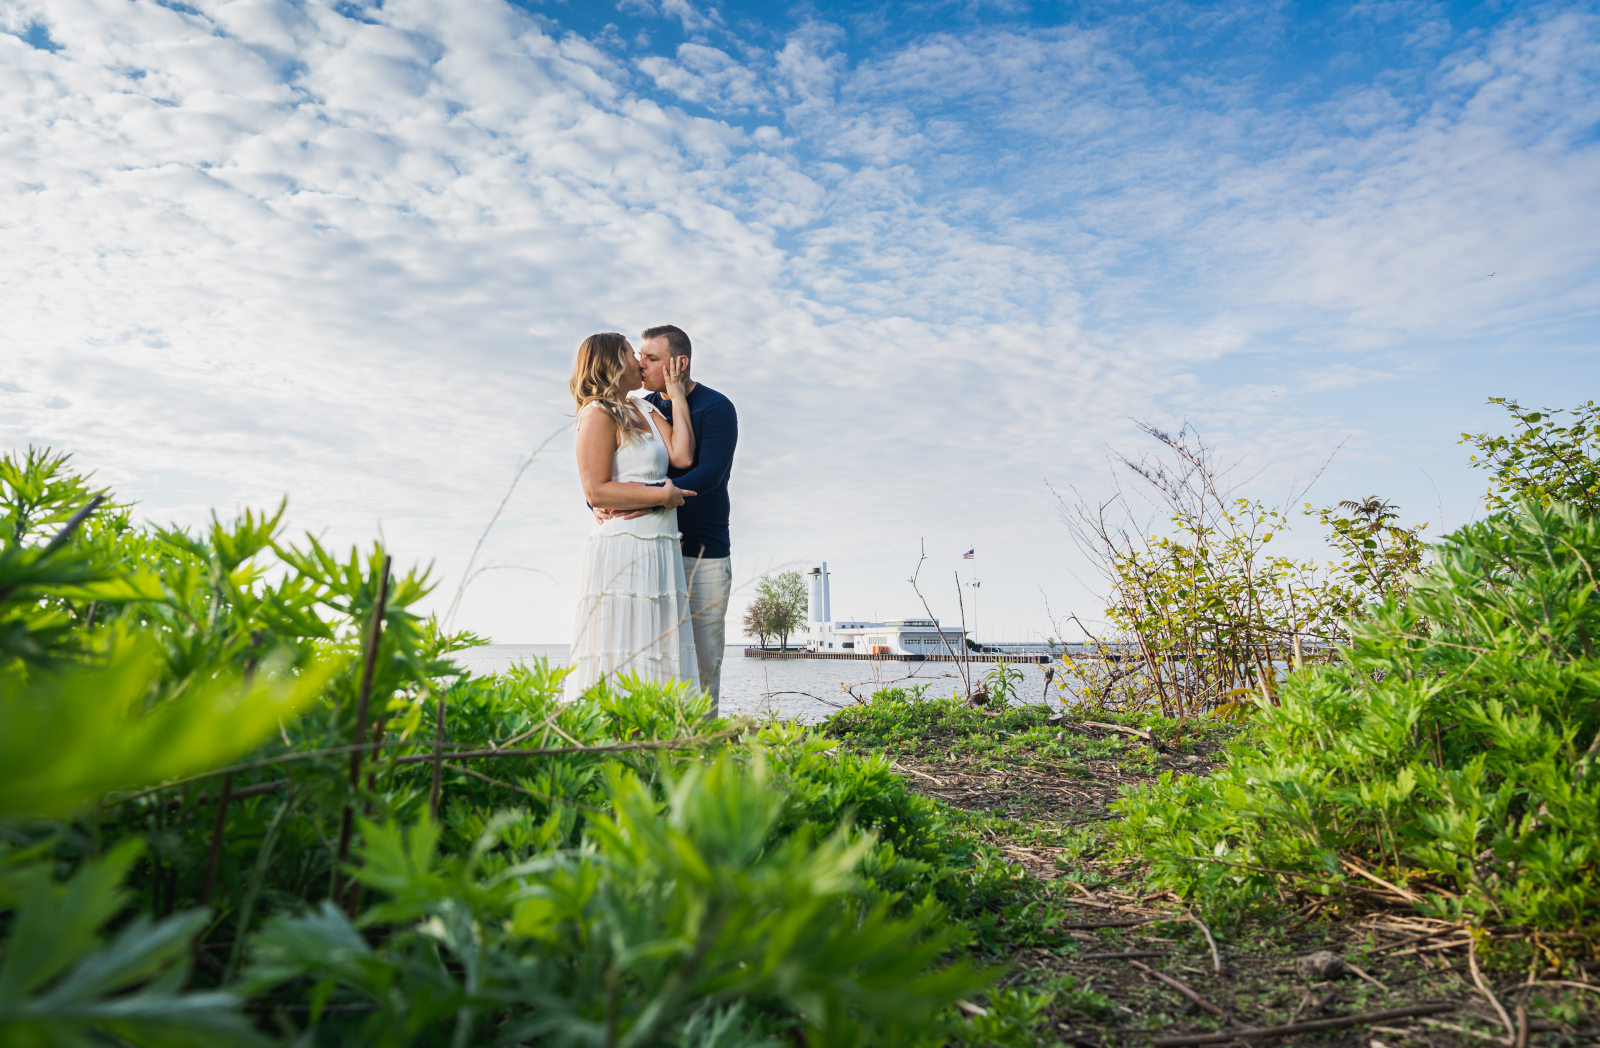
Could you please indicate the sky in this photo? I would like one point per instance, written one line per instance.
(943, 257)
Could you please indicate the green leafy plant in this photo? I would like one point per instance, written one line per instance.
(1550, 459)
(1002, 681)
(1454, 748)
(223, 752)
(1379, 556)
(680, 914)
(1201, 612)
(65, 983)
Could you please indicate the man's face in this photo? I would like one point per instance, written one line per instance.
(653, 357)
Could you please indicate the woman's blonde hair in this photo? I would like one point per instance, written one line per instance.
(601, 376)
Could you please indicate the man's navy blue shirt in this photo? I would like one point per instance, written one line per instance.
(703, 519)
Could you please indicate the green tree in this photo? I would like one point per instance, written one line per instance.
(787, 591)
(1550, 460)
(761, 617)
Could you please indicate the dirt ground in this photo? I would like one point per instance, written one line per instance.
(1166, 977)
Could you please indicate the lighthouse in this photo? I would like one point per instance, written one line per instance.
(821, 605)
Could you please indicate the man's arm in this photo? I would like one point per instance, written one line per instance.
(597, 442)
(720, 426)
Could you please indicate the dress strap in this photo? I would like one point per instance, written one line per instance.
(651, 413)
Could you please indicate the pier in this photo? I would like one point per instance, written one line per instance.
(768, 653)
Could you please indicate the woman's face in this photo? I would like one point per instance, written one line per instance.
(632, 374)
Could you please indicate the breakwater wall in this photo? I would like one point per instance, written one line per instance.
(768, 653)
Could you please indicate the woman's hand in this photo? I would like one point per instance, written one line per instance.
(673, 496)
(676, 371)
(680, 440)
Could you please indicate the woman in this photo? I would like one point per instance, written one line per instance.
(633, 603)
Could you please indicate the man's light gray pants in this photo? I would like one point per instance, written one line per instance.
(709, 581)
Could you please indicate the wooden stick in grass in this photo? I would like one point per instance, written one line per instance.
(1222, 1037)
(353, 906)
(63, 535)
(369, 667)
(1200, 1002)
(1216, 957)
(217, 827)
(438, 757)
(1477, 978)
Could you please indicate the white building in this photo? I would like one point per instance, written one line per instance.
(892, 637)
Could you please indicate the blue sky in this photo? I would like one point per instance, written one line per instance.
(940, 255)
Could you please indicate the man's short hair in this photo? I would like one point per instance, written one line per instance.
(677, 339)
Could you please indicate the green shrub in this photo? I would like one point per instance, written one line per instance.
(1455, 747)
(177, 797)
(1549, 460)
(673, 915)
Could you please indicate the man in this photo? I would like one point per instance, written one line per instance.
(702, 520)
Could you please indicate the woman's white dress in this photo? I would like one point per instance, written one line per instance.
(633, 603)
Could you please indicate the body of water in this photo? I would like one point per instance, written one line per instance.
(807, 689)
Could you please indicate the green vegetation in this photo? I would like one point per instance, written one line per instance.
(1207, 610)
(1548, 460)
(1452, 751)
(193, 852)
(779, 608)
(248, 798)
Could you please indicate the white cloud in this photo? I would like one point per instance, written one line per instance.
(710, 78)
(267, 248)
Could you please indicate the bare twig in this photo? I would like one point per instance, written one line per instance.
(1435, 947)
(1364, 976)
(368, 669)
(438, 757)
(1568, 982)
(217, 828)
(523, 789)
(62, 536)
(1260, 869)
(966, 645)
(912, 771)
(966, 680)
(1216, 957)
(807, 694)
(1117, 727)
(67, 529)
(1199, 1002)
(1355, 868)
(1305, 1027)
(687, 742)
(468, 575)
(1483, 988)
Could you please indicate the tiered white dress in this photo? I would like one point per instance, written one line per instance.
(633, 603)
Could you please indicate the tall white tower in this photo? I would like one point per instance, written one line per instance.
(820, 607)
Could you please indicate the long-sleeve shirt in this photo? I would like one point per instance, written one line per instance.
(703, 519)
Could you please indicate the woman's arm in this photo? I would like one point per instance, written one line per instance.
(597, 445)
(679, 434)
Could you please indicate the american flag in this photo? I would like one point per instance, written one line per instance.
(969, 554)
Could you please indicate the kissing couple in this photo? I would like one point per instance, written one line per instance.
(655, 449)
